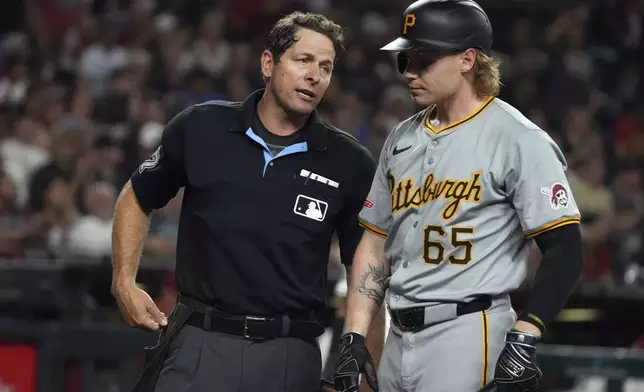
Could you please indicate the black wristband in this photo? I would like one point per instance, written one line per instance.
(534, 320)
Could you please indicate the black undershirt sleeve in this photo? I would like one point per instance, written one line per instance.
(557, 275)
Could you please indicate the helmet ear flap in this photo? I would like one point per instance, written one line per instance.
(403, 62)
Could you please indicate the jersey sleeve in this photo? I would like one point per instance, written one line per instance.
(375, 215)
(158, 179)
(348, 227)
(536, 184)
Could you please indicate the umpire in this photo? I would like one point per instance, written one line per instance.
(267, 184)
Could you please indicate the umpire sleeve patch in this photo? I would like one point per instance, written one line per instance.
(152, 162)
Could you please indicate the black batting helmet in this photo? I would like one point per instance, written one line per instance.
(438, 27)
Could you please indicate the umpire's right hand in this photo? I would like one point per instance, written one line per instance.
(354, 360)
(138, 309)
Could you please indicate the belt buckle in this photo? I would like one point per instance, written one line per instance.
(407, 321)
(403, 320)
(252, 318)
(398, 320)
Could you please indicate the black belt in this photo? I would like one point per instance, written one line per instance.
(413, 319)
(250, 327)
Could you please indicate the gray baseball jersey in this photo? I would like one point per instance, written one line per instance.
(459, 207)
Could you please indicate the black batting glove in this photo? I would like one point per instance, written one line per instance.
(516, 368)
(354, 360)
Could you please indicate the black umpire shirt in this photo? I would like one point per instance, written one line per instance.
(257, 220)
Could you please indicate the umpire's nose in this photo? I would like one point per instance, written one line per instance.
(313, 74)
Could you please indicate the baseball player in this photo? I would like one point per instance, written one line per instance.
(461, 191)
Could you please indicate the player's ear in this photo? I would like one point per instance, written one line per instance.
(267, 64)
(467, 60)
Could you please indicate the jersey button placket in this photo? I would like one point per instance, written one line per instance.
(431, 152)
(410, 239)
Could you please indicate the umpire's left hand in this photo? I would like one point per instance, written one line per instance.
(354, 360)
(516, 369)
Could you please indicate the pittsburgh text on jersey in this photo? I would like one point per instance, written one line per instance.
(405, 194)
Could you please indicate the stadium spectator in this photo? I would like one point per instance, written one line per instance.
(90, 235)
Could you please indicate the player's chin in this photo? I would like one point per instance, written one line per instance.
(422, 98)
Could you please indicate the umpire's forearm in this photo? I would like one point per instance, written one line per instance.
(367, 284)
(129, 231)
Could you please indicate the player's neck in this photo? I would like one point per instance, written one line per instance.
(277, 120)
(458, 107)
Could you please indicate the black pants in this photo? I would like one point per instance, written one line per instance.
(203, 361)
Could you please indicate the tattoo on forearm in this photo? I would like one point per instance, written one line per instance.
(373, 283)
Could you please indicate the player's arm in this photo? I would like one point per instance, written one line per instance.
(535, 182)
(541, 195)
(350, 234)
(364, 316)
(364, 311)
(367, 277)
(557, 274)
(375, 340)
(367, 284)
(151, 186)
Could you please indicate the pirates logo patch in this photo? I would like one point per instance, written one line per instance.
(558, 195)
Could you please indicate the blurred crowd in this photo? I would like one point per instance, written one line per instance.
(87, 85)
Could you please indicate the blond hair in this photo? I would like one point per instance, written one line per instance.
(486, 75)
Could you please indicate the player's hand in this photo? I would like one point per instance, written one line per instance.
(516, 369)
(138, 309)
(354, 360)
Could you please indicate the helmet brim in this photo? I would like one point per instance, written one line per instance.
(400, 44)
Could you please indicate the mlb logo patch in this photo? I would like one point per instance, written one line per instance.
(311, 208)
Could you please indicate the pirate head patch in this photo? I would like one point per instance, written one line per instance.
(558, 195)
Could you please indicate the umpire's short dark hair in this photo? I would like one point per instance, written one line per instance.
(282, 35)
